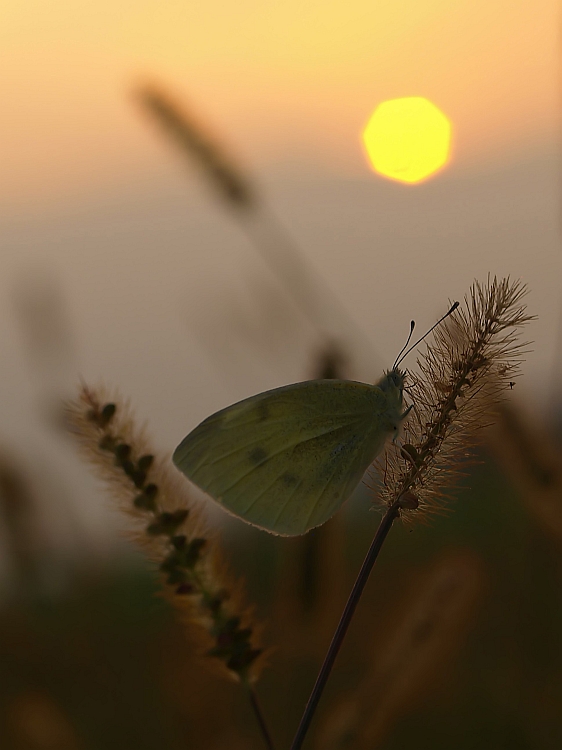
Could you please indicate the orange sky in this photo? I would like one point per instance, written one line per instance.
(289, 83)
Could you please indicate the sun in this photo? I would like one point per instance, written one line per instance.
(408, 139)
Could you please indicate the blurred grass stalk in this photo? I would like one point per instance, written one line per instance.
(531, 458)
(308, 554)
(173, 532)
(420, 639)
(46, 328)
(469, 363)
(24, 536)
(311, 296)
(37, 722)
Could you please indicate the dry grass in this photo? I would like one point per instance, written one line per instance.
(172, 530)
(470, 362)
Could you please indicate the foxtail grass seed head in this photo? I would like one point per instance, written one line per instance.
(36, 721)
(430, 625)
(531, 458)
(172, 530)
(472, 358)
(182, 127)
(421, 637)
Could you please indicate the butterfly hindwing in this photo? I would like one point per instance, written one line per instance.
(286, 460)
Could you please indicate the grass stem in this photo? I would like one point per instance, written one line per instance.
(260, 718)
(345, 619)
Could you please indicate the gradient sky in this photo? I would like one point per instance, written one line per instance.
(290, 83)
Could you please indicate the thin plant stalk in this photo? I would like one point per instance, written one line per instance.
(260, 718)
(469, 363)
(382, 532)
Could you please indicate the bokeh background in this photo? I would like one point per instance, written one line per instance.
(120, 265)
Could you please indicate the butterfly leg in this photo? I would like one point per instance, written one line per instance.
(402, 417)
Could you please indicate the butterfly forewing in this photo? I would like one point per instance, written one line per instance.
(287, 459)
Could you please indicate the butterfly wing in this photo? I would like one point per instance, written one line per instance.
(286, 460)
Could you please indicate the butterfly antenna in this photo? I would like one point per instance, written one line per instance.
(412, 326)
(402, 356)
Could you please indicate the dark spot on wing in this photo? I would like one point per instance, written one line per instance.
(288, 479)
(338, 449)
(263, 412)
(258, 455)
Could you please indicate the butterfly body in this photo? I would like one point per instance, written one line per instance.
(285, 460)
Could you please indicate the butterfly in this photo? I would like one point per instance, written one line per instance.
(287, 459)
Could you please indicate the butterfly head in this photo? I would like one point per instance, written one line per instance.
(392, 385)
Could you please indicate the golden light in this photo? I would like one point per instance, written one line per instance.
(408, 139)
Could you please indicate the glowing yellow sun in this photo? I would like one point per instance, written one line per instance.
(408, 139)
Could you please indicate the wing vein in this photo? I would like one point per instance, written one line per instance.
(323, 491)
(260, 495)
(288, 500)
(288, 446)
